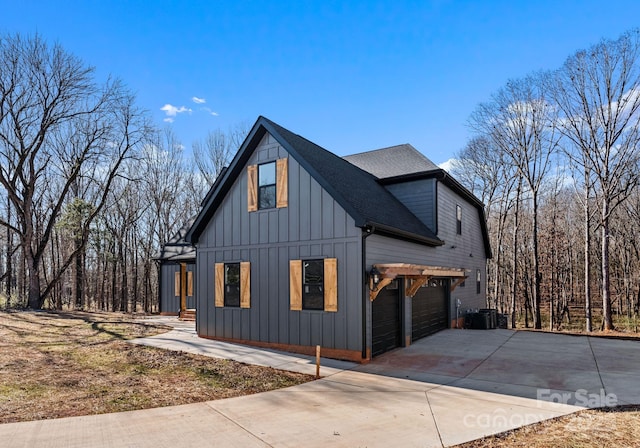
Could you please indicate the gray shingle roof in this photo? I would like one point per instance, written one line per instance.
(177, 248)
(392, 161)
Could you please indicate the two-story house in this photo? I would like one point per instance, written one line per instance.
(297, 247)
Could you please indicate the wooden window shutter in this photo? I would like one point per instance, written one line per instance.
(282, 183)
(295, 285)
(252, 188)
(190, 283)
(176, 284)
(245, 284)
(219, 285)
(331, 284)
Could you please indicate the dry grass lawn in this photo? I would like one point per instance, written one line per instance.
(67, 364)
(56, 365)
(614, 427)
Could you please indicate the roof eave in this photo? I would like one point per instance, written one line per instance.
(382, 229)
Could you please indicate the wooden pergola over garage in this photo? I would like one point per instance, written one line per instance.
(426, 287)
(416, 275)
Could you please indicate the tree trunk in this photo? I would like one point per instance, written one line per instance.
(587, 259)
(607, 320)
(9, 265)
(514, 284)
(537, 322)
(34, 300)
(79, 274)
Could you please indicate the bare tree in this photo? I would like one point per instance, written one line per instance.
(481, 166)
(216, 150)
(57, 125)
(521, 122)
(598, 92)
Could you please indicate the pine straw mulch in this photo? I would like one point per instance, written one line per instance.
(608, 427)
(56, 365)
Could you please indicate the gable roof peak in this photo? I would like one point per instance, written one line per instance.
(392, 161)
(356, 190)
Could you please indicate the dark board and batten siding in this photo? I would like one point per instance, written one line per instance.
(419, 197)
(313, 225)
(459, 251)
(169, 302)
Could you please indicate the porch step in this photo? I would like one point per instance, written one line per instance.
(188, 315)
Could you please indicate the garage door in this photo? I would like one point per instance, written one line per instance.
(429, 310)
(386, 324)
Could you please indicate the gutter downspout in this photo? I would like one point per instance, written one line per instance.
(368, 231)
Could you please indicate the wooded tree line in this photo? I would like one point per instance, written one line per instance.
(555, 157)
(89, 189)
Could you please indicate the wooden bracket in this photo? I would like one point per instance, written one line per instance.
(458, 282)
(375, 291)
(415, 284)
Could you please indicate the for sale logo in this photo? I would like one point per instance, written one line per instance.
(580, 397)
(501, 419)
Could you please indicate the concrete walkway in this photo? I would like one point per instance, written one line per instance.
(449, 388)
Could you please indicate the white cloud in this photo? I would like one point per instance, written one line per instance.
(209, 111)
(449, 165)
(172, 111)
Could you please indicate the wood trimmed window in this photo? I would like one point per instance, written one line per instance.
(233, 285)
(267, 185)
(458, 219)
(313, 284)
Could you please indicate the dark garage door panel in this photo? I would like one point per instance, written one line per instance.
(385, 317)
(428, 311)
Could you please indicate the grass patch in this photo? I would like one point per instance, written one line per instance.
(615, 427)
(56, 365)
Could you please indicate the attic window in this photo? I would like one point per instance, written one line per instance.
(267, 185)
(458, 220)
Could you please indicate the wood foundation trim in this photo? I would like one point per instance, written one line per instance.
(344, 355)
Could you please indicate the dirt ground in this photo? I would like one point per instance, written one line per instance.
(56, 365)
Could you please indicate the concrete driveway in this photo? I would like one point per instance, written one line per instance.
(455, 386)
(551, 367)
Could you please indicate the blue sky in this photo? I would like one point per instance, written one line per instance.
(349, 75)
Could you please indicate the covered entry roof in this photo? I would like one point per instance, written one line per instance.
(419, 273)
